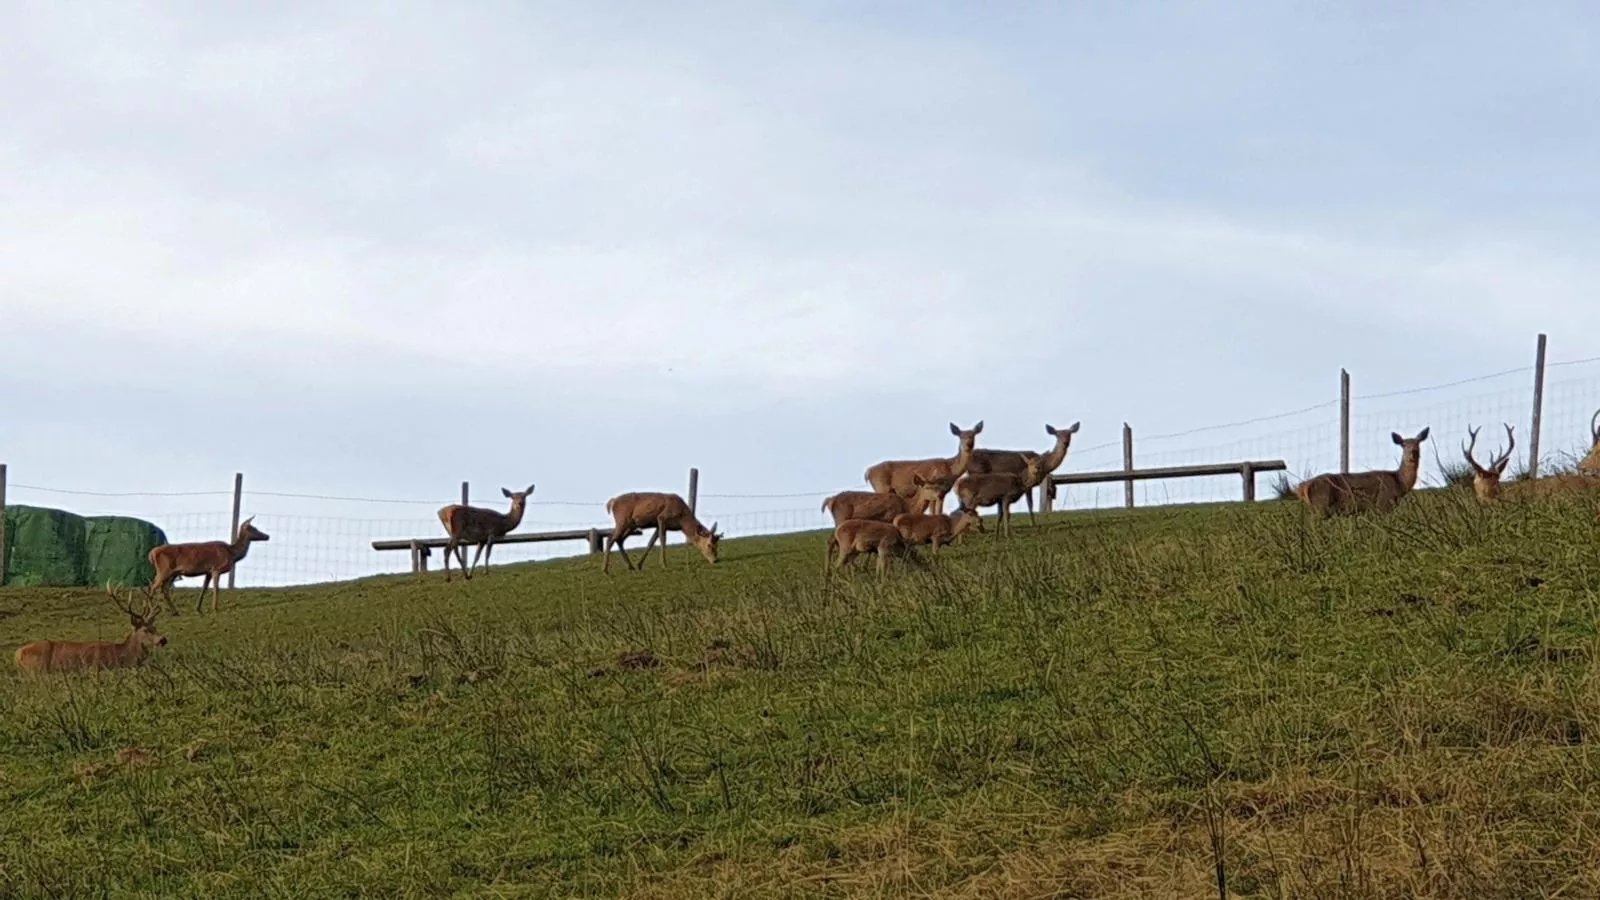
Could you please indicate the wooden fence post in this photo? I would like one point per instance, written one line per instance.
(463, 493)
(1344, 421)
(595, 541)
(1047, 495)
(1127, 463)
(1538, 409)
(2, 524)
(694, 490)
(233, 530)
(1249, 473)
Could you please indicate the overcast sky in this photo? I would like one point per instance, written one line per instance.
(376, 248)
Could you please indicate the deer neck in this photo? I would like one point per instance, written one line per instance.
(130, 650)
(514, 515)
(1407, 473)
(958, 464)
(239, 547)
(1054, 459)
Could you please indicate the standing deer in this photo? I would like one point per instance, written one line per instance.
(988, 462)
(42, 657)
(1336, 493)
(882, 539)
(634, 512)
(212, 559)
(1002, 489)
(895, 476)
(884, 507)
(936, 529)
(480, 526)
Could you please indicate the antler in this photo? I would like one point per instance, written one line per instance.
(1511, 436)
(1594, 427)
(1466, 450)
(148, 613)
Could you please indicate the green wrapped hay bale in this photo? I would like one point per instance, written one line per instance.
(119, 548)
(45, 548)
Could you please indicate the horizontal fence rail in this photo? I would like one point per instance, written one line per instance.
(421, 547)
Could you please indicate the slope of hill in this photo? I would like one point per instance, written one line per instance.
(1112, 704)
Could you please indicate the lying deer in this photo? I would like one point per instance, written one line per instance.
(856, 536)
(884, 507)
(1489, 487)
(1002, 489)
(936, 529)
(480, 526)
(635, 512)
(895, 476)
(41, 657)
(1337, 493)
(989, 462)
(212, 559)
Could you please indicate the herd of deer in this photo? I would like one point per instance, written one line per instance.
(891, 520)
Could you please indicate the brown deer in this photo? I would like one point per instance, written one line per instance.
(634, 512)
(480, 526)
(1338, 493)
(895, 476)
(42, 657)
(856, 536)
(1590, 465)
(1486, 479)
(212, 559)
(1002, 489)
(884, 507)
(988, 462)
(1489, 487)
(936, 529)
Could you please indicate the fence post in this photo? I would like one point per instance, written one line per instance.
(1127, 463)
(1538, 409)
(233, 530)
(2, 524)
(1344, 421)
(1047, 495)
(463, 493)
(1249, 473)
(694, 489)
(595, 541)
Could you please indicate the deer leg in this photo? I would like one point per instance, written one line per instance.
(661, 529)
(216, 583)
(200, 604)
(623, 549)
(487, 549)
(648, 546)
(163, 583)
(477, 554)
(448, 549)
(1029, 497)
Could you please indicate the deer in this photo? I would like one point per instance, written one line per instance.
(936, 529)
(46, 656)
(884, 507)
(1489, 487)
(1590, 464)
(634, 512)
(212, 559)
(477, 525)
(1002, 489)
(987, 462)
(895, 476)
(1380, 490)
(856, 536)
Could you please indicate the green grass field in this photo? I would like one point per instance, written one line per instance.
(1112, 704)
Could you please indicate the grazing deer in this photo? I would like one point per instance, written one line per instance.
(857, 536)
(989, 462)
(895, 476)
(1337, 493)
(635, 512)
(212, 559)
(884, 507)
(937, 529)
(41, 657)
(1002, 489)
(480, 526)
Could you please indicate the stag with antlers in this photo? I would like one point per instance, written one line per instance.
(1486, 479)
(212, 559)
(476, 525)
(46, 656)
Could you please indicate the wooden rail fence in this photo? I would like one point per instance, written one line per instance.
(422, 548)
(1245, 470)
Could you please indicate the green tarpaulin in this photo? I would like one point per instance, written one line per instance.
(118, 550)
(55, 548)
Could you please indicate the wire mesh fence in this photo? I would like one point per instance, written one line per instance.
(318, 538)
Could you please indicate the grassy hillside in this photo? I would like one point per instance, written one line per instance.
(1110, 705)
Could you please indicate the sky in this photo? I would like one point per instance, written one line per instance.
(375, 249)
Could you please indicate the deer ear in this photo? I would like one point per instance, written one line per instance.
(954, 430)
(978, 428)
(1073, 428)
(505, 492)
(1050, 430)
(1423, 434)
(1397, 438)
(529, 490)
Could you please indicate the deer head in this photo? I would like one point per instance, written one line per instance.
(930, 493)
(1591, 463)
(249, 532)
(707, 541)
(517, 496)
(1486, 479)
(143, 621)
(968, 437)
(1410, 456)
(965, 519)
